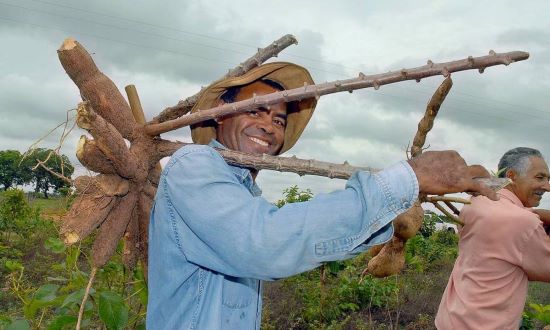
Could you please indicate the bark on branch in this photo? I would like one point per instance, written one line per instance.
(363, 81)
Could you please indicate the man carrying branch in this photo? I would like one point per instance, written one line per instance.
(212, 239)
(502, 246)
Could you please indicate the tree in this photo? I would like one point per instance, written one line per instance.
(43, 179)
(10, 172)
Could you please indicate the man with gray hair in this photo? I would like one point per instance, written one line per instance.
(502, 247)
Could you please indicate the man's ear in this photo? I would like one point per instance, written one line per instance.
(511, 174)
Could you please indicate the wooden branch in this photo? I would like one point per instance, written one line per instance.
(139, 117)
(260, 57)
(135, 104)
(54, 173)
(432, 199)
(451, 217)
(277, 163)
(108, 140)
(96, 87)
(363, 81)
(452, 207)
(85, 298)
(427, 122)
(293, 164)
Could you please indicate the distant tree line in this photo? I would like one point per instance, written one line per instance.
(17, 170)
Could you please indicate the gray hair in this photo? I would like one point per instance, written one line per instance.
(517, 160)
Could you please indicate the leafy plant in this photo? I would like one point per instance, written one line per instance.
(428, 225)
(539, 312)
(294, 195)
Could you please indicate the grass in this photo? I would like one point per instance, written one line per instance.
(299, 302)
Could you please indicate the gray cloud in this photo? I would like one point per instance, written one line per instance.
(168, 51)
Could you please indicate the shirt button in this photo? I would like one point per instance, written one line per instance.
(406, 205)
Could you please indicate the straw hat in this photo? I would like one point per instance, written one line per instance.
(287, 75)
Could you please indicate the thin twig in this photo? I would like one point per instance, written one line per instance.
(451, 217)
(85, 298)
(60, 176)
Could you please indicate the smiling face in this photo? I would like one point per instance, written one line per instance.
(530, 187)
(258, 132)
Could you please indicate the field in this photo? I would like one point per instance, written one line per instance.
(44, 283)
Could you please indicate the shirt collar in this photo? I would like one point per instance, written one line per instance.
(242, 173)
(507, 194)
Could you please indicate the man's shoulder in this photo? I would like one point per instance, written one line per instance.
(194, 155)
(195, 150)
(502, 211)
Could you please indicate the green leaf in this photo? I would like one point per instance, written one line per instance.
(112, 310)
(13, 265)
(140, 287)
(61, 322)
(333, 267)
(55, 245)
(44, 296)
(46, 293)
(19, 325)
(73, 298)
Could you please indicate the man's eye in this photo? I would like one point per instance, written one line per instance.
(280, 122)
(253, 113)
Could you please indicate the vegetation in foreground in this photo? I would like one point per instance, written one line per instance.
(44, 281)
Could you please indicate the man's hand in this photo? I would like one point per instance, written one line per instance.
(444, 172)
(543, 214)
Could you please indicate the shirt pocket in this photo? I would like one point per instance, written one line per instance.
(239, 292)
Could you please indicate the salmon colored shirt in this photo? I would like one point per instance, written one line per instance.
(502, 247)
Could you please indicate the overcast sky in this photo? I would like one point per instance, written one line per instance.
(168, 51)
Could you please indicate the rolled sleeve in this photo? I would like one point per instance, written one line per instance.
(399, 188)
(536, 255)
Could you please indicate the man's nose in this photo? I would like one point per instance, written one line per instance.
(265, 123)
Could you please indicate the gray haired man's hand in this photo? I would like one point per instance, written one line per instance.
(445, 172)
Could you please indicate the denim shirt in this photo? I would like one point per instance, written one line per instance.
(212, 239)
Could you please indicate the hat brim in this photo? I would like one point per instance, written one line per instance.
(288, 75)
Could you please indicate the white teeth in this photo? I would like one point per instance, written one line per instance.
(260, 142)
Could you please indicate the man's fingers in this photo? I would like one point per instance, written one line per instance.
(478, 188)
(478, 171)
(482, 189)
